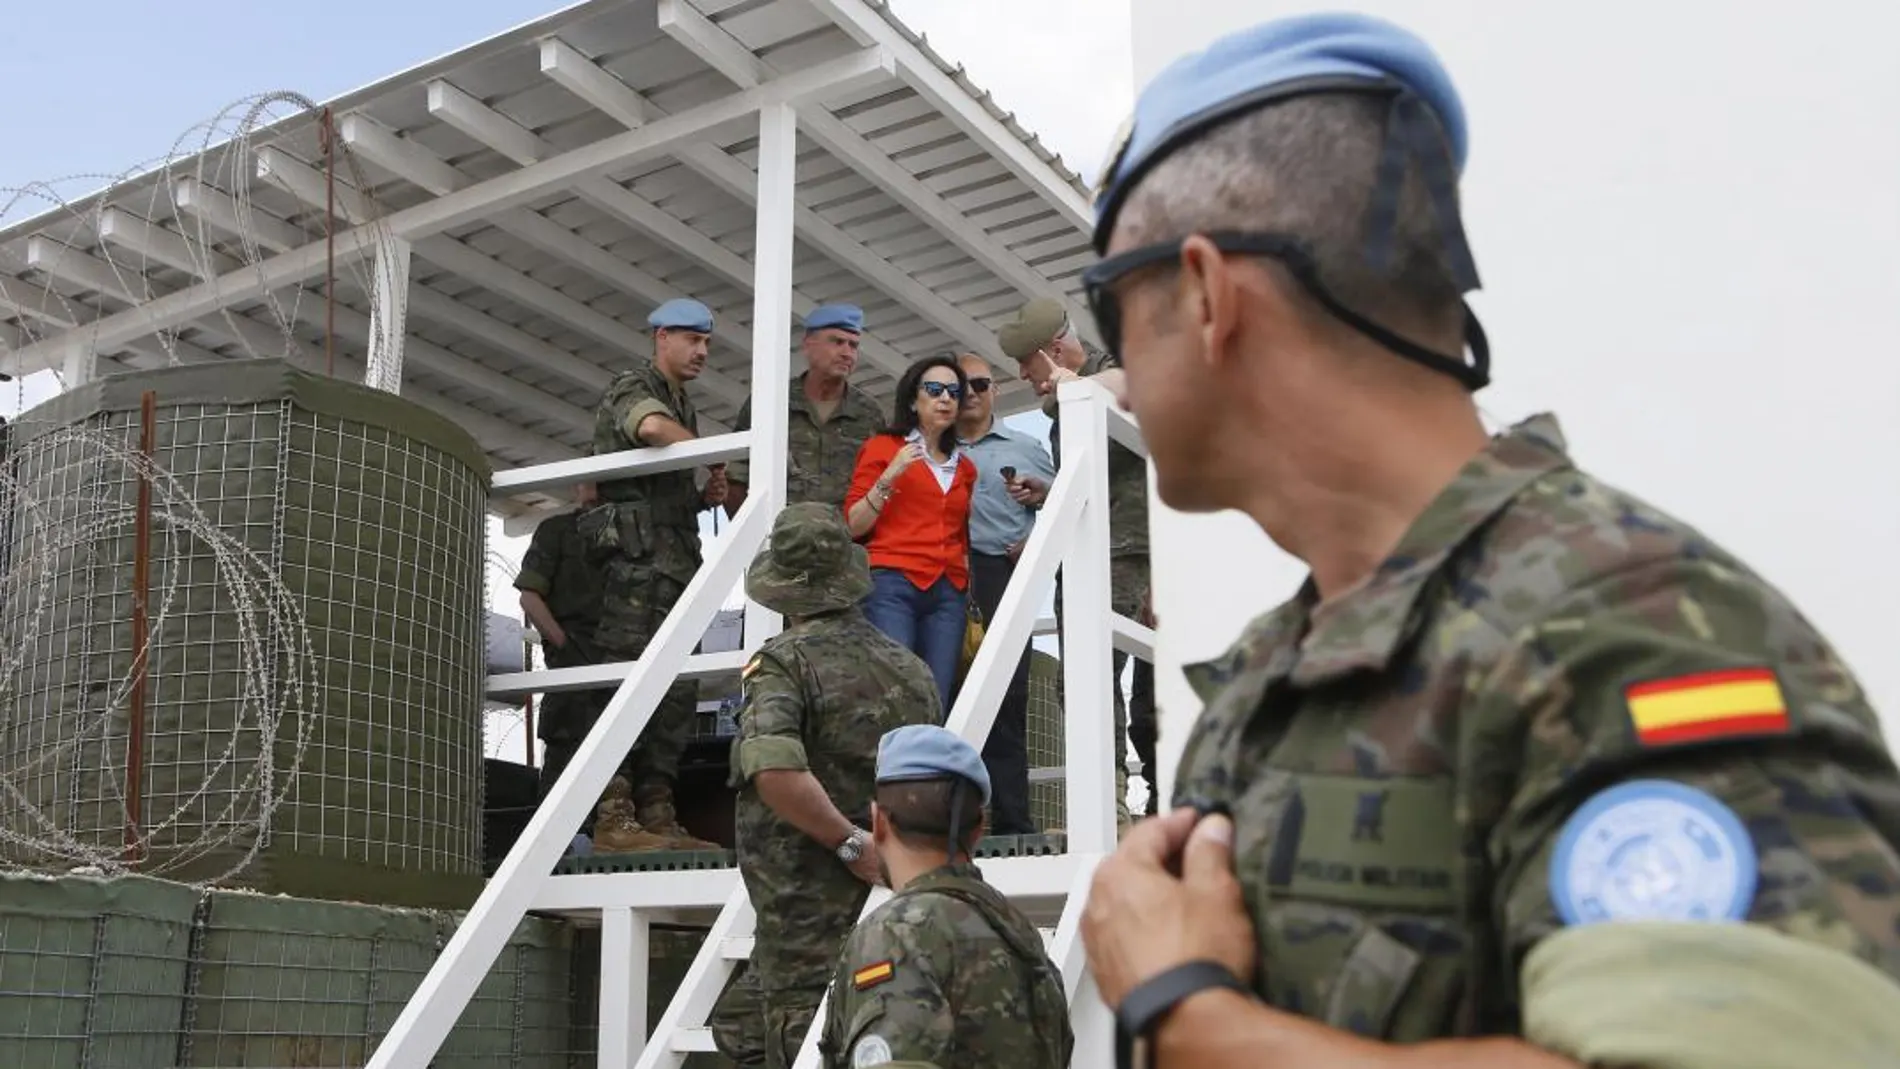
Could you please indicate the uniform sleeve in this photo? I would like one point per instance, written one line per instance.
(633, 404)
(542, 560)
(894, 981)
(771, 718)
(739, 471)
(1677, 746)
(873, 456)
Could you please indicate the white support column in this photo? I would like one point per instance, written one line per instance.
(1088, 697)
(771, 329)
(388, 315)
(624, 944)
(81, 362)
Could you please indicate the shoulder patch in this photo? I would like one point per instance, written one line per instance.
(1653, 850)
(1735, 703)
(871, 1050)
(751, 666)
(872, 975)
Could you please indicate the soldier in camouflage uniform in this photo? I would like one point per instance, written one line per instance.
(948, 974)
(818, 696)
(1526, 758)
(1048, 352)
(560, 595)
(644, 539)
(830, 419)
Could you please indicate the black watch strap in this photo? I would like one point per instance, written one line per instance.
(1149, 1003)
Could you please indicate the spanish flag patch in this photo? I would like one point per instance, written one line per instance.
(751, 666)
(872, 975)
(1733, 703)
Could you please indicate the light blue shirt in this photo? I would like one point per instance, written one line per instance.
(996, 520)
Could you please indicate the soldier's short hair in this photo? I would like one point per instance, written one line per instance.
(1306, 168)
(920, 810)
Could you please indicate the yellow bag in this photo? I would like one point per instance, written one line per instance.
(972, 637)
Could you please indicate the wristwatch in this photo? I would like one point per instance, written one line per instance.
(852, 848)
(1144, 1008)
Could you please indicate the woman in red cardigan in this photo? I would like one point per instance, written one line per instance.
(909, 503)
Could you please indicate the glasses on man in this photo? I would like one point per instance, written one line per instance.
(940, 389)
(980, 385)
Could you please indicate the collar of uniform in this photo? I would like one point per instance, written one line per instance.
(957, 869)
(658, 379)
(1366, 625)
(1267, 650)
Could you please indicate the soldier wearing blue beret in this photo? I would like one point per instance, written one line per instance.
(830, 419)
(643, 539)
(947, 974)
(1528, 767)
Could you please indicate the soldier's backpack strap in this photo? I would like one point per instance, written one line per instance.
(1049, 1007)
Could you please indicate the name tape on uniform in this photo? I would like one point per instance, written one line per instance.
(1735, 703)
(1653, 850)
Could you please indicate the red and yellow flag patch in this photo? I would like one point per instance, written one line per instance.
(1733, 703)
(872, 975)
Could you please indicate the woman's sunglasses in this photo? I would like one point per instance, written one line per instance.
(939, 389)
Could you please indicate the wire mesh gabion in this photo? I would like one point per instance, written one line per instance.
(312, 693)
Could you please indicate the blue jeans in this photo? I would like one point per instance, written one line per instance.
(928, 623)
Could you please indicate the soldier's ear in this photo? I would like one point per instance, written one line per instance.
(880, 825)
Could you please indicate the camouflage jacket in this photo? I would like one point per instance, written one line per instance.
(818, 697)
(672, 496)
(1409, 764)
(947, 973)
(1127, 474)
(820, 454)
(555, 567)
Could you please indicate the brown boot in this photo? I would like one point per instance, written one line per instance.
(655, 807)
(616, 831)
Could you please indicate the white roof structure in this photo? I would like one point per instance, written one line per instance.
(553, 184)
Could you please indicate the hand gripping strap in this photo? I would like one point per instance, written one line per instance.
(1150, 1002)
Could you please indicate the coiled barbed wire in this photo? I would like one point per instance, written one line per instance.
(271, 715)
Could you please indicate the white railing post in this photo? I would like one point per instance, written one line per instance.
(771, 330)
(625, 942)
(1087, 631)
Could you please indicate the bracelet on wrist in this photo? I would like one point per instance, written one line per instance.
(1145, 1007)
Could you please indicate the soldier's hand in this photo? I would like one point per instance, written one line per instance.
(865, 867)
(1143, 920)
(716, 485)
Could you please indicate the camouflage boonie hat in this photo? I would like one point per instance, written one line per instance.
(809, 565)
(1035, 325)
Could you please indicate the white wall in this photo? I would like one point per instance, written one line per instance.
(1687, 217)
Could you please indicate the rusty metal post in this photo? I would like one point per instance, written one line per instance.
(141, 593)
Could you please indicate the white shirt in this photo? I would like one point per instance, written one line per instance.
(945, 472)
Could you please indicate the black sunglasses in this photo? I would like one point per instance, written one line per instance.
(938, 389)
(1293, 254)
(980, 385)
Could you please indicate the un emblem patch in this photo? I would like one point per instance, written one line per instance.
(1653, 850)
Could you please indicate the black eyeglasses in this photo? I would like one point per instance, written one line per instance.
(939, 389)
(981, 385)
(1293, 254)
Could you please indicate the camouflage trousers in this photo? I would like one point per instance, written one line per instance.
(564, 718)
(637, 597)
(807, 902)
(1128, 587)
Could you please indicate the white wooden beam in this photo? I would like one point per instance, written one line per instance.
(730, 57)
(585, 79)
(869, 29)
(219, 209)
(85, 270)
(389, 321)
(154, 242)
(398, 155)
(485, 125)
(681, 456)
(773, 229)
(440, 308)
(847, 74)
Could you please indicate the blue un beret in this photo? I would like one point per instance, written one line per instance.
(842, 316)
(682, 313)
(1266, 64)
(925, 751)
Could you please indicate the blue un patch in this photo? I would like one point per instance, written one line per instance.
(1653, 850)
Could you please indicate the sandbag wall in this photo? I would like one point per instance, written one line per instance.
(367, 513)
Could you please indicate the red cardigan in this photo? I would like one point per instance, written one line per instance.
(923, 532)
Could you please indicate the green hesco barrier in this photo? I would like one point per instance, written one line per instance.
(670, 954)
(370, 510)
(521, 1017)
(1047, 801)
(92, 972)
(283, 982)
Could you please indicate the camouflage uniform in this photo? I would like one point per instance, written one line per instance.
(644, 539)
(555, 567)
(1406, 763)
(1128, 586)
(947, 974)
(818, 697)
(820, 453)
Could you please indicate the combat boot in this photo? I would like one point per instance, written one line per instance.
(655, 809)
(616, 830)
